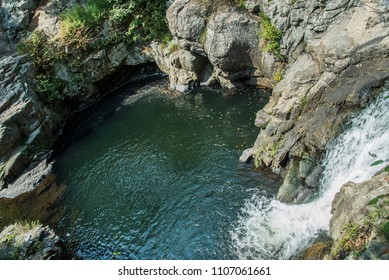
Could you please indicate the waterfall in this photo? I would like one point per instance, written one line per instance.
(269, 229)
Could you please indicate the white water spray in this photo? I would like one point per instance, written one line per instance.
(269, 229)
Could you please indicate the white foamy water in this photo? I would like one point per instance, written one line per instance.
(269, 229)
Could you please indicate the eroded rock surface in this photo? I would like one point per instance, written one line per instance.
(30, 241)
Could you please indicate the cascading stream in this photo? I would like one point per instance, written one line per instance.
(269, 229)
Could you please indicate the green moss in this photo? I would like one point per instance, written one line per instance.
(258, 163)
(355, 237)
(304, 102)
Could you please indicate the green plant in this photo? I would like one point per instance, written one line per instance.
(271, 35)
(304, 102)
(278, 75)
(274, 149)
(23, 226)
(49, 87)
(173, 47)
(380, 215)
(43, 52)
(353, 241)
(166, 39)
(9, 239)
(203, 37)
(239, 3)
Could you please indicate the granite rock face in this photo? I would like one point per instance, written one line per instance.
(23, 241)
(26, 127)
(333, 71)
(220, 39)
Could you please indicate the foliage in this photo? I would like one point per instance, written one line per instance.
(43, 52)
(49, 87)
(355, 237)
(353, 241)
(148, 21)
(272, 37)
(173, 47)
(380, 216)
(278, 75)
(203, 37)
(239, 3)
(139, 20)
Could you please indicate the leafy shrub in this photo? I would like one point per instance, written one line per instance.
(43, 52)
(239, 3)
(49, 87)
(141, 20)
(271, 35)
(278, 75)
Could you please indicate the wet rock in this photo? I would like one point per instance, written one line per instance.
(317, 251)
(247, 155)
(291, 186)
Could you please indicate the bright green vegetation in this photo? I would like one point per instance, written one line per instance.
(203, 37)
(44, 53)
(278, 75)
(94, 26)
(135, 20)
(239, 3)
(272, 37)
(173, 47)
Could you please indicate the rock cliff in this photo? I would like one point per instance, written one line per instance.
(332, 58)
